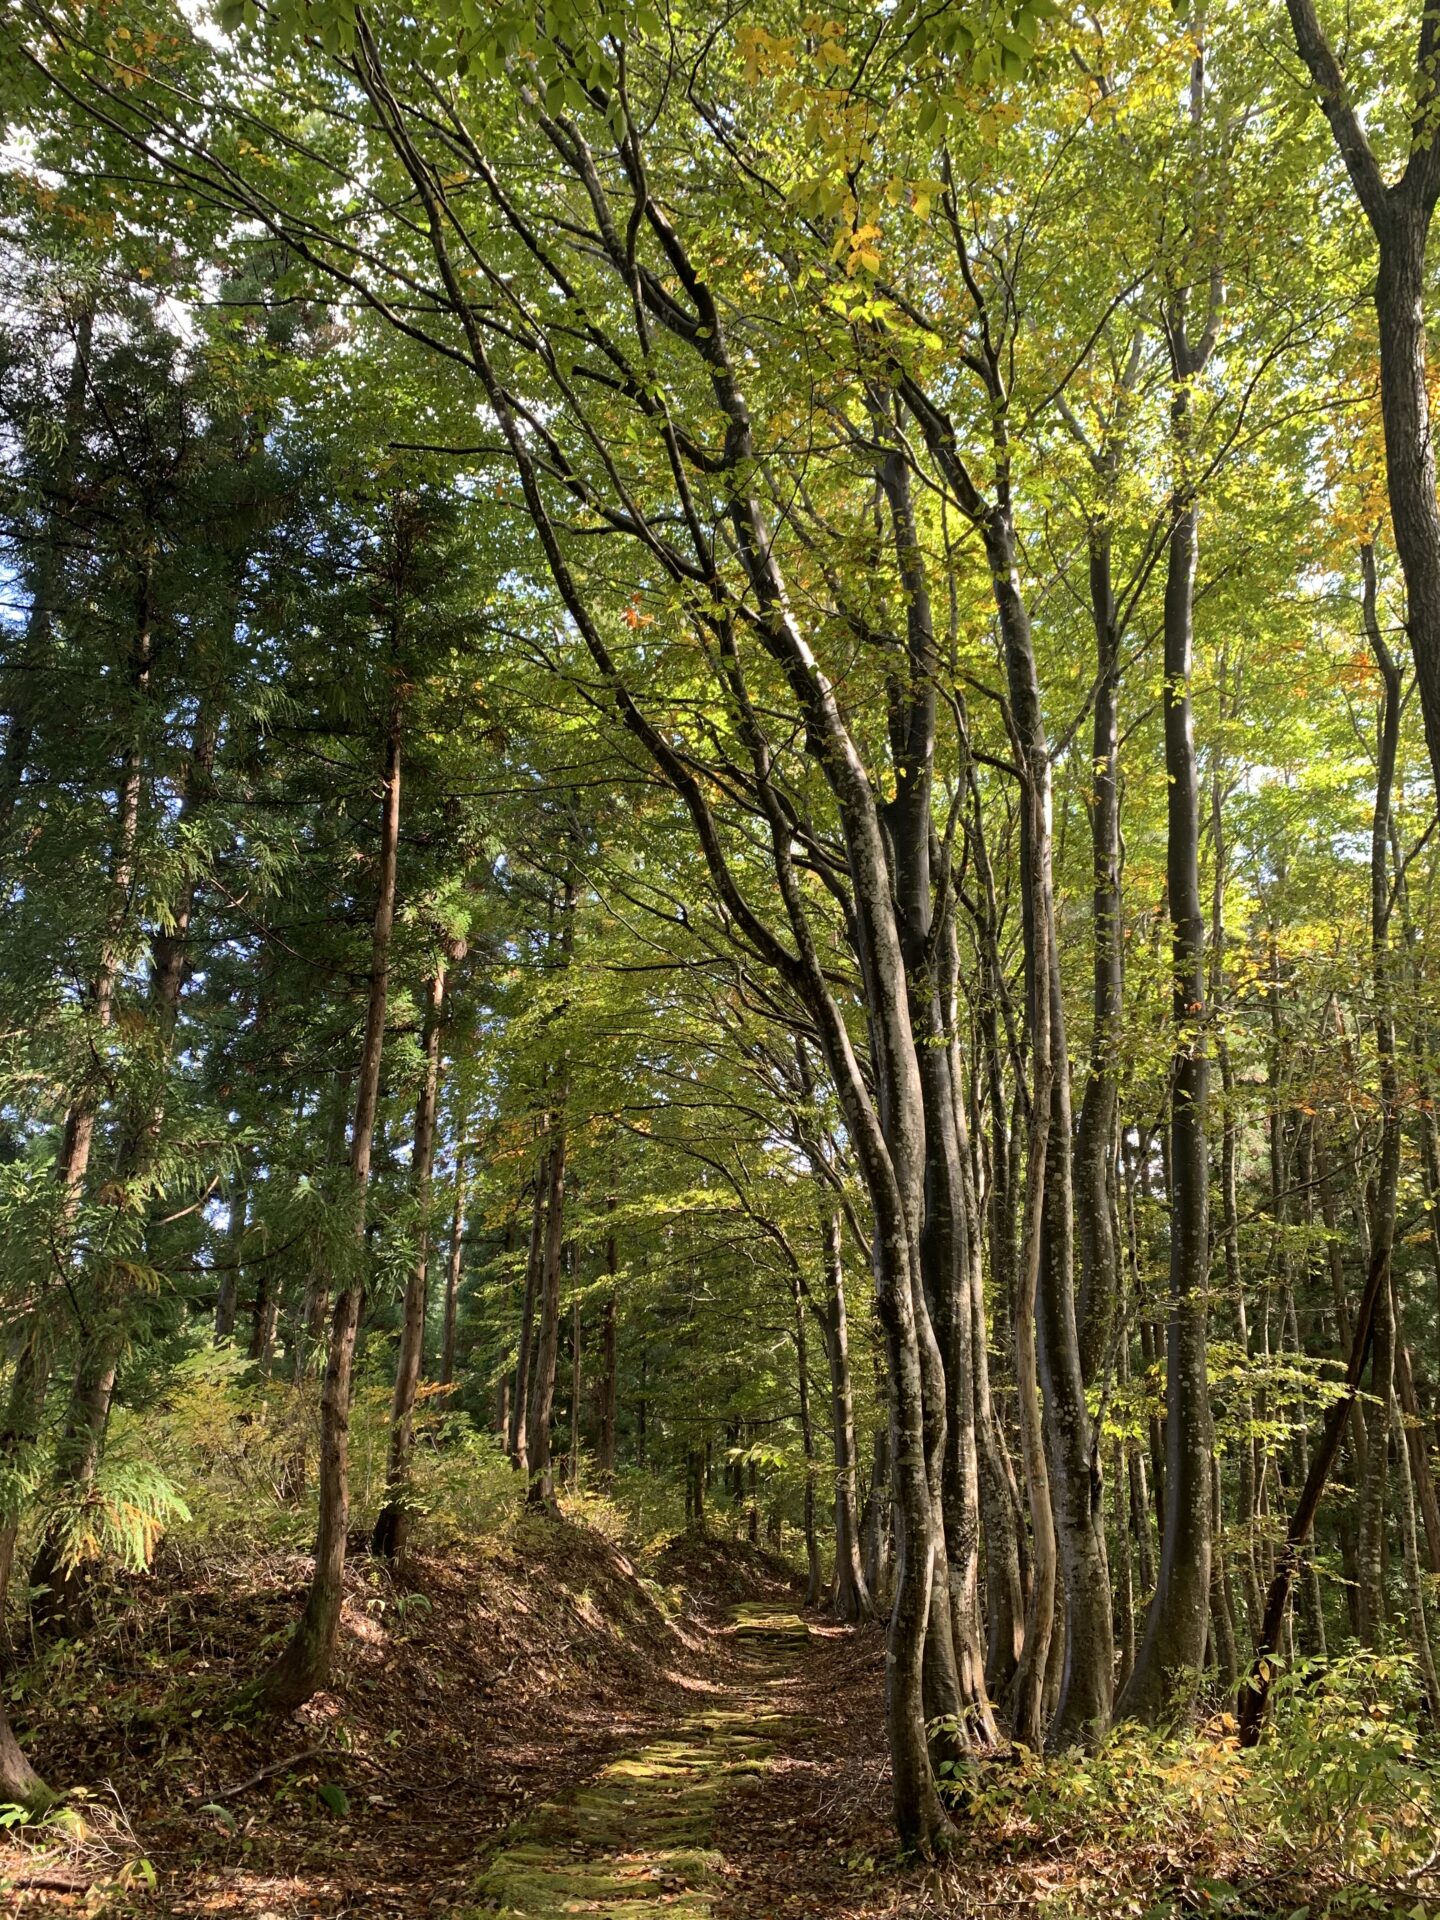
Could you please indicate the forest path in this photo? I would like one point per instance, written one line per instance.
(644, 1838)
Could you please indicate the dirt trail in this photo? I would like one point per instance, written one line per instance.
(644, 1838)
(539, 1728)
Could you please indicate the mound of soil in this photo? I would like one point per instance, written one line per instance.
(714, 1571)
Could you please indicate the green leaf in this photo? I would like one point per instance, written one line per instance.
(335, 1798)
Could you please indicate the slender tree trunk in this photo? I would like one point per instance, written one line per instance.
(518, 1439)
(875, 1528)
(266, 1324)
(1027, 1689)
(1247, 1477)
(1140, 1519)
(392, 1524)
(1430, 1162)
(539, 1419)
(1382, 1215)
(1354, 1438)
(1006, 1566)
(1413, 1428)
(807, 1443)
(304, 1666)
(314, 1306)
(609, 1363)
(1122, 1567)
(577, 1383)
(1000, 1512)
(1375, 1484)
(849, 1597)
(452, 1278)
(1095, 1133)
(1172, 1651)
(998, 1491)
(1310, 1608)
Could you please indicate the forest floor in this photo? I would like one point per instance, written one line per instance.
(537, 1728)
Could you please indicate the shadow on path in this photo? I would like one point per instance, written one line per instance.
(642, 1839)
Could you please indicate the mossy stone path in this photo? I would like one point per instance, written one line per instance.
(641, 1841)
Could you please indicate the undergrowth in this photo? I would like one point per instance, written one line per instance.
(1333, 1814)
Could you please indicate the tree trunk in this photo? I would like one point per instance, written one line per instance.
(1007, 1600)
(1413, 1428)
(1375, 1484)
(807, 1444)
(875, 1527)
(1083, 1709)
(1028, 1685)
(999, 1493)
(518, 1438)
(452, 1278)
(1310, 1608)
(1382, 1214)
(1247, 1476)
(392, 1525)
(640, 1405)
(1172, 1651)
(850, 1597)
(304, 1666)
(609, 1364)
(314, 1307)
(954, 1660)
(1095, 1133)
(20, 1784)
(1123, 1571)
(265, 1324)
(539, 1419)
(577, 1384)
